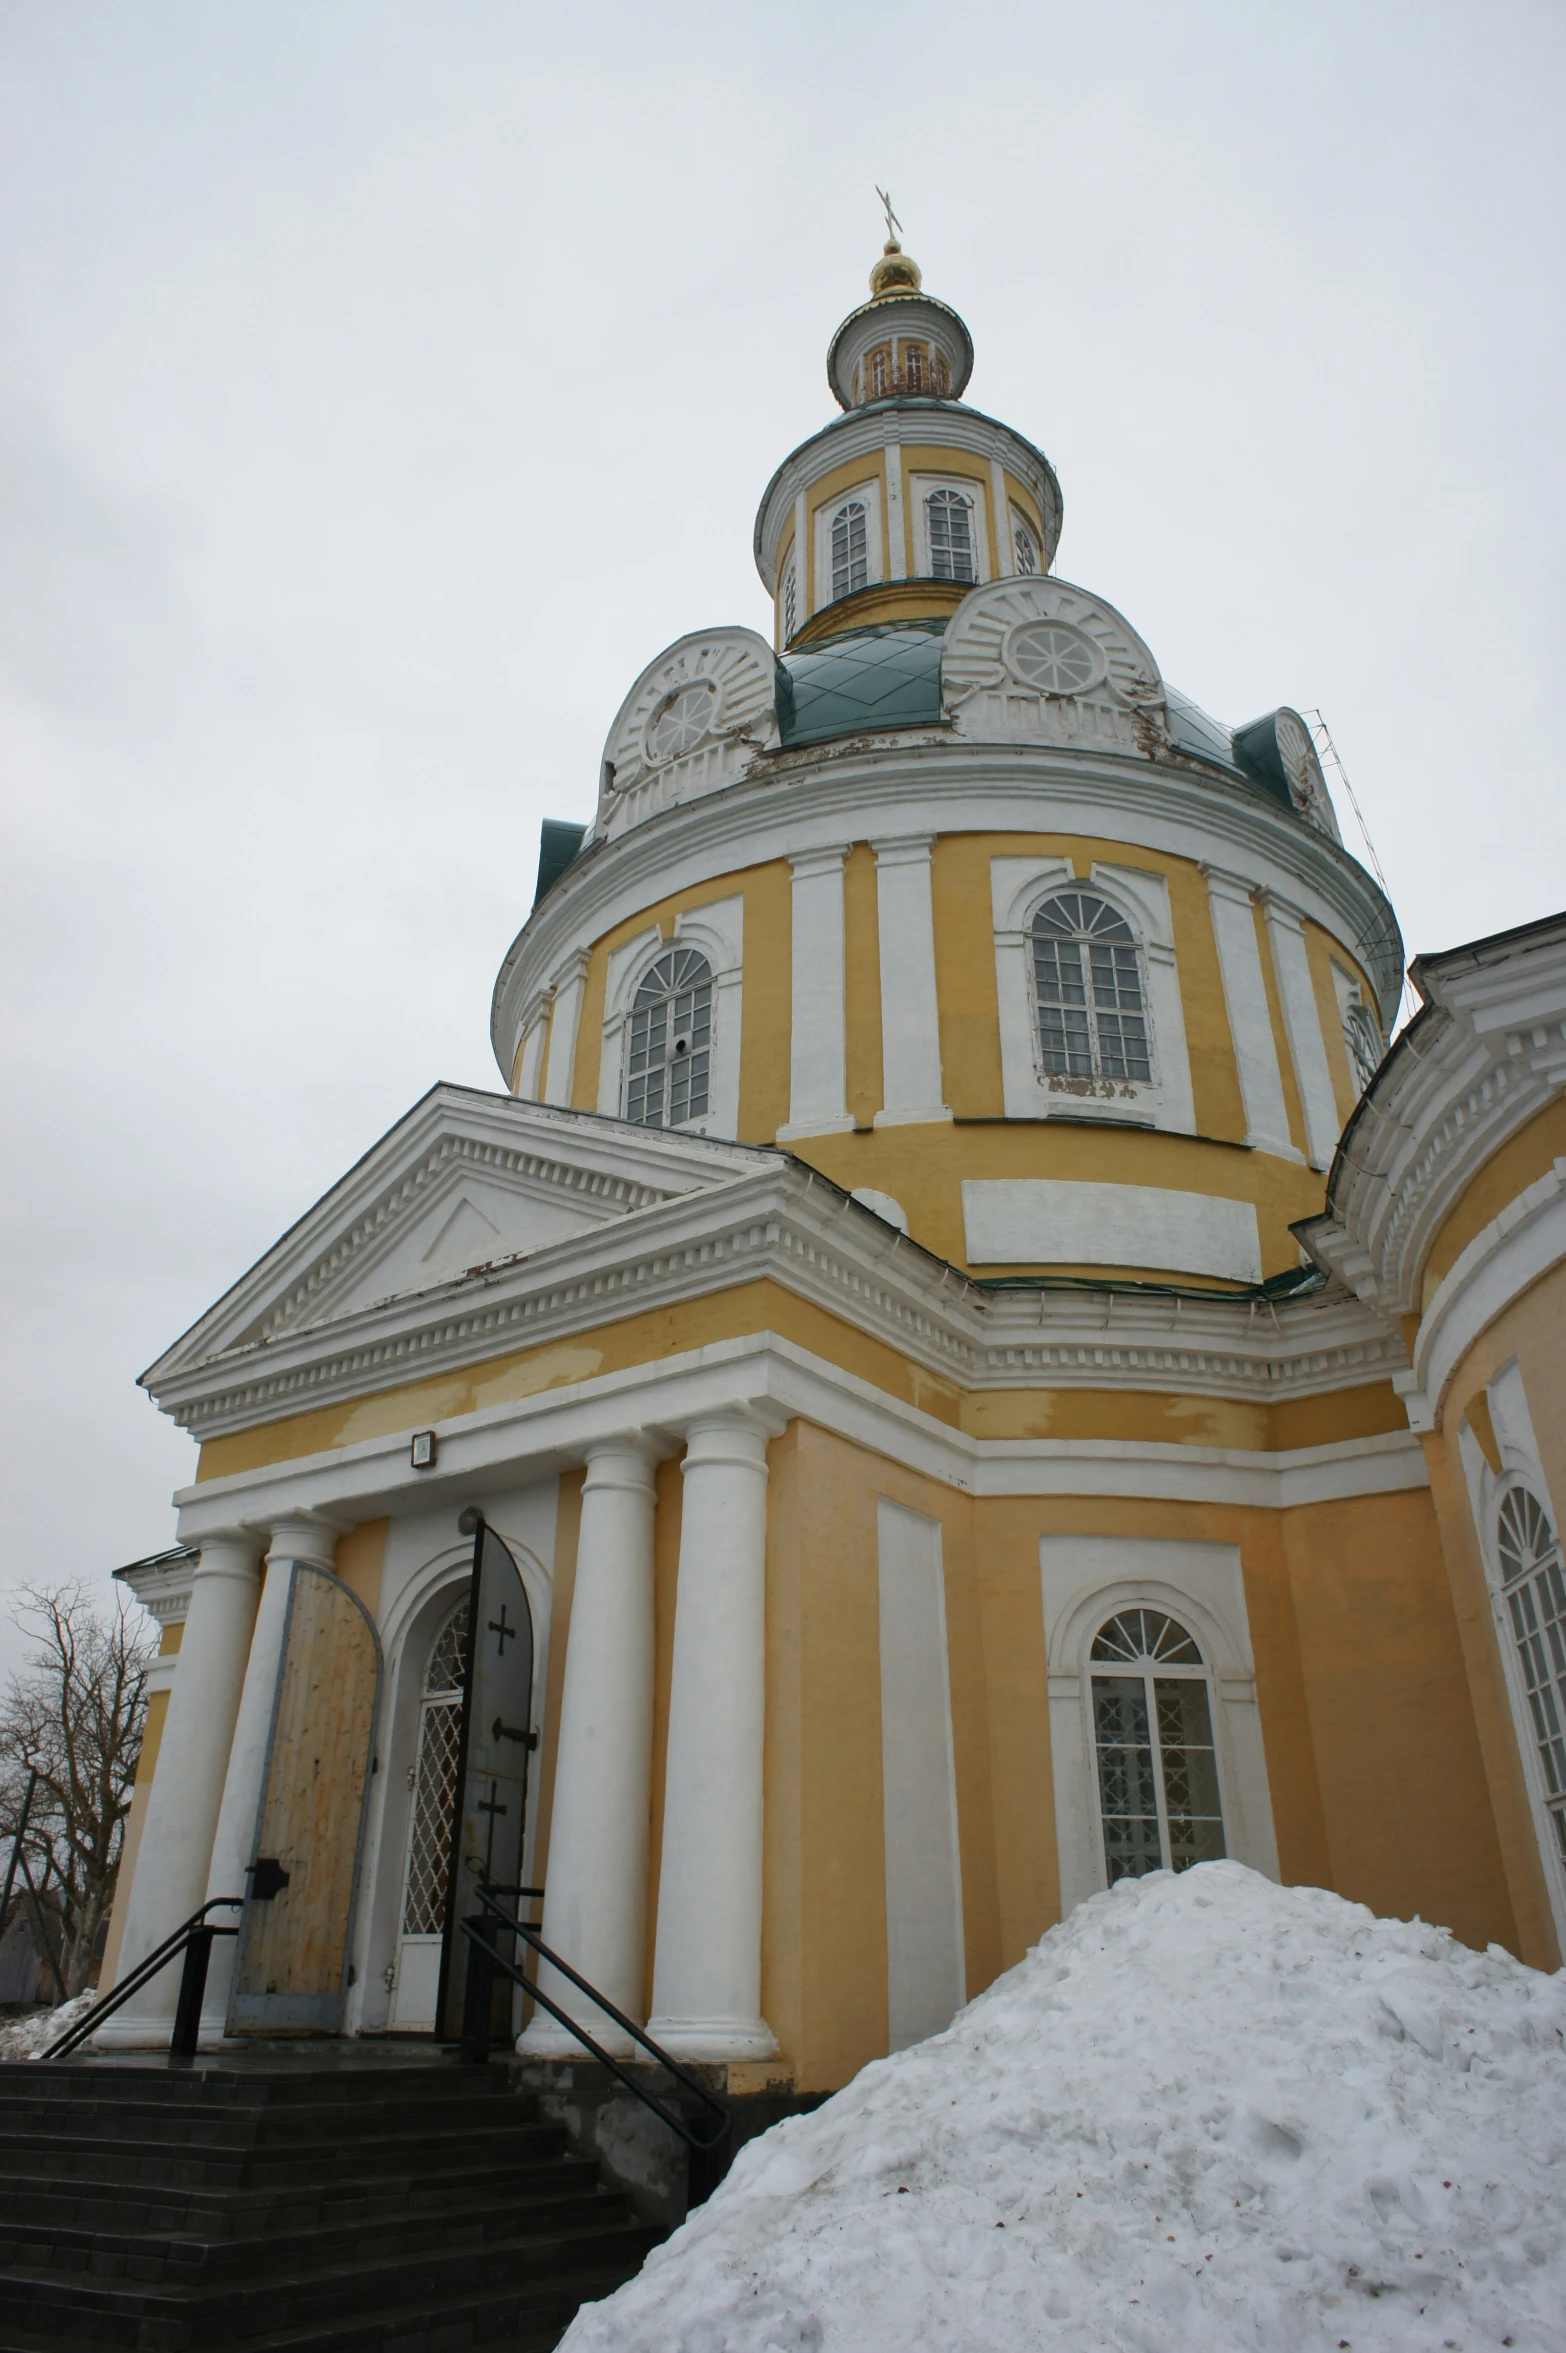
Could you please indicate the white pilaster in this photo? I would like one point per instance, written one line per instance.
(570, 984)
(1302, 1026)
(803, 569)
(1250, 1020)
(896, 527)
(595, 1910)
(1000, 503)
(176, 1843)
(233, 1845)
(707, 1970)
(818, 1047)
(910, 1016)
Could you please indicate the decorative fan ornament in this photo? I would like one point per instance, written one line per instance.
(681, 720)
(1054, 657)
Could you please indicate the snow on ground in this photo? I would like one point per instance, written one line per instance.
(1205, 2113)
(29, 2035)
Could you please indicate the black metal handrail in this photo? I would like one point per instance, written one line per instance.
(193, 1938)
(708, 2163)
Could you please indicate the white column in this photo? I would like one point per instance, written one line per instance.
(233, 1842)
(1250, 1019)
(1302, 1025)
(176, 1842)
(818, 1043)
(595, 1908)
(570, 984)
(802, 563)
(910, 1019)
(707, 1969)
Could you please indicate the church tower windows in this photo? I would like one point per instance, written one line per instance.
(850, 551)
(790, 600)
(1090, 991)
(1024, 545)
(949, 529)
(669, 1061)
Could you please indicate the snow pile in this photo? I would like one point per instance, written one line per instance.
(1204, 2113)
(28, 2037)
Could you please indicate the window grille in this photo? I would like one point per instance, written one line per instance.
(1159, 1800)
(668, 1065)
(1087, 976)
(1023, 542)
(950, 520)
(1533, 1589)
(790, 600)
(1362, 1036)
(850, 556)
(435, 1779)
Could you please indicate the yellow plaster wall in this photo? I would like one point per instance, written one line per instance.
(1377, 1783)
(361, 1556)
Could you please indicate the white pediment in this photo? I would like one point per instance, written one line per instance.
(465, 1182)
(692, 723)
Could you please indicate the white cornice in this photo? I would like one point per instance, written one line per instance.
(782, 1221)
(1485, 1055)
(913, 782)
(537, 1437)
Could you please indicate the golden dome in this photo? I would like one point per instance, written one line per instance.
(895, 273)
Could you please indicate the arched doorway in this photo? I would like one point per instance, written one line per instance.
(433, 1784)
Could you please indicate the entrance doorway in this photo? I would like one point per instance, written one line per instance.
(433, 1779)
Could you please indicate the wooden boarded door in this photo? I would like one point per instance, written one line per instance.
(490, 1823)
(291, 1970)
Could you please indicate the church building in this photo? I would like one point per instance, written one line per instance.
(991, 1376)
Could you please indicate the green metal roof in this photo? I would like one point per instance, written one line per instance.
(886, 675)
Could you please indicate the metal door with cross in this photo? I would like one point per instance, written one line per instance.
(497, 1740)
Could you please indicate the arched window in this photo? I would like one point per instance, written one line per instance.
(940, 376)
(880, 373)
(949, 517)
(435, 1778)
(1026, 546)
(1533, 1588)
(668, 1065)
(1092, 1005)
(1153, 1734)
(913, 366)
(790, 599)
(850, 556)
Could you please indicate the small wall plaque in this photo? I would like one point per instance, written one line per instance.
(424, 1450)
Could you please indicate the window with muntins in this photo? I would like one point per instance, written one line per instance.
(1158, 1791)
(1533, 1591)
(669, 1057)
(913, 367)
(1022, 540)
(790, 599)
(949, 518)
(1092, 1003)
(880, 373)
(850, 549)
(1363, 1039)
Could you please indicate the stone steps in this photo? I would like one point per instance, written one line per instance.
(378, 2209)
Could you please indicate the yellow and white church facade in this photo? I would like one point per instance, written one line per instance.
(981, 1397)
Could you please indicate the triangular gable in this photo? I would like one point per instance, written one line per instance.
(463, 1180)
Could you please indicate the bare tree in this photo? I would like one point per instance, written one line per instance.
(74, 1713)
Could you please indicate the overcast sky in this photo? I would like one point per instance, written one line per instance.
(383, 385)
